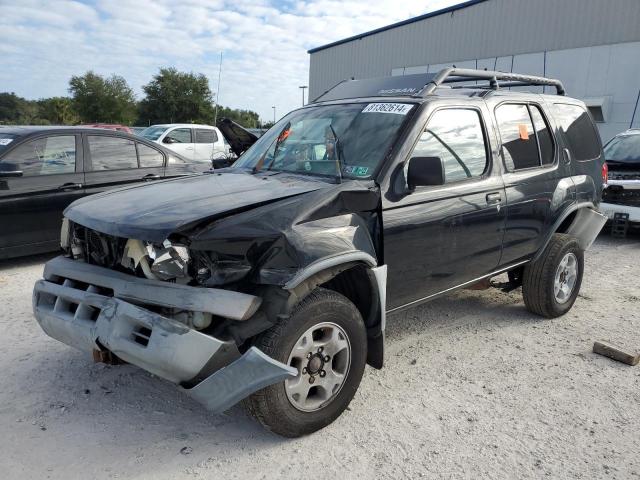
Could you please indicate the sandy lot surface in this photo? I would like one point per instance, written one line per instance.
(474, 387)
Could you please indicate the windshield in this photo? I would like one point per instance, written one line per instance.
(6, 139)
(623, 149)
(347, 140)
(153, 132)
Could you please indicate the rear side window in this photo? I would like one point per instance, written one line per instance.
(179, 135)
(149, 157)
(112, 153)
(456, 136)
(43, 156)
(579, 131)
(206, 136)
(526, 138)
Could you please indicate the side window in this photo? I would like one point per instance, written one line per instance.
(179, 135)
(206, 136)
(112, 153)
(519, 146)
(456, 136)
(544, 135)
(149, 157)
(43, 156)
(578, 130)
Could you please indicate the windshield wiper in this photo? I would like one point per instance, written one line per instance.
(339, 163)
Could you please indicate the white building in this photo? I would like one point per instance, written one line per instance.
(593, 46)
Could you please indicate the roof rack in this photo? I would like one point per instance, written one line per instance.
(457, 75)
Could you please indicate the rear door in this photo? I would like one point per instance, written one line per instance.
(38, 180)
(112, 161)
(204, 143)
(532, 175)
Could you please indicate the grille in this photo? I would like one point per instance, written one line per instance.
(99, 248)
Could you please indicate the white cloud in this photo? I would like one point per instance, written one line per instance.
(43, 43)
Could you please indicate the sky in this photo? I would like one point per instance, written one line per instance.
(264, 43)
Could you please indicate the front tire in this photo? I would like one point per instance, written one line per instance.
(325, 339)
(551, 284)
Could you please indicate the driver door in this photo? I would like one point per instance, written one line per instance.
(439, 237)
(181, 141)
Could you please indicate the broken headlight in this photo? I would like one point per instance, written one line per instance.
(169, 261)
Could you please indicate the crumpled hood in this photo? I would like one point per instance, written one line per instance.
(153, 212)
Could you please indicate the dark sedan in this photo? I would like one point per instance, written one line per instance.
(44, 169)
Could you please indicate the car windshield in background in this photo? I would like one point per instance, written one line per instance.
(623, 149)
(6, 139)
(349, 140)
(152, 133)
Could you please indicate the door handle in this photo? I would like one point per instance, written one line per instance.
(566, 154)
(493, 198)
(66, 187)
(151, 176)
(188, 148)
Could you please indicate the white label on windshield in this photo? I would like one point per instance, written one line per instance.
(5, 141)
(397, 108)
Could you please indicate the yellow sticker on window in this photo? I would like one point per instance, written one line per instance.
(522, 129)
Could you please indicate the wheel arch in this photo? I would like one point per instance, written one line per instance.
(357, 276)
(581, 220)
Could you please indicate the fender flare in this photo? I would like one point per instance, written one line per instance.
(585, 226)
(327, 268)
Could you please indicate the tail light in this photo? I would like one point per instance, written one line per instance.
(605, 173)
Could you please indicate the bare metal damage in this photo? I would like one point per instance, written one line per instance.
(71, 304)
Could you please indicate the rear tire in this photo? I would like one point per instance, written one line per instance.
(324, 338)
(551, 284)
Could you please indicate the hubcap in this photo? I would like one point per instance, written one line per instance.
(322, 356)
(566, 276)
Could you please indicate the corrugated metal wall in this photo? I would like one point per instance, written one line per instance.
(495, 28)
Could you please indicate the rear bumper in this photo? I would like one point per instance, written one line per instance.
(610, 209)
(81, 305)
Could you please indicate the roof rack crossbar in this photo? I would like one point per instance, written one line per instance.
(455, 75)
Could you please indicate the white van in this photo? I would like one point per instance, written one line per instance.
(200, 143)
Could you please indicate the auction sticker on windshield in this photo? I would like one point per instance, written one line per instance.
(5, 141)
(395, 108)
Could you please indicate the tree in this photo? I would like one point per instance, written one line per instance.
(177, 97)
(246, 118)
(99, 99)
(58, 110)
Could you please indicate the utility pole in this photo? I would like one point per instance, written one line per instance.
(215, 116)
(274, 114)
(302, 87)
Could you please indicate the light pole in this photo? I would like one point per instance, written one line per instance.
(274, 114)
(302, 87)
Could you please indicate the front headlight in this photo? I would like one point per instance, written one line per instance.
(169, 261)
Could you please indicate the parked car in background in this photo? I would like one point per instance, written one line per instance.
(195, 142)
(44, 169)
(109, 126)
(239, 138)
(622, 192)
(138, 130)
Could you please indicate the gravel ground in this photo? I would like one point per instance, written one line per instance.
(474, 387)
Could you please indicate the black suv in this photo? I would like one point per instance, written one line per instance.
(272, 279)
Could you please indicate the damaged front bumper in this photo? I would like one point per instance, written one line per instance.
(94, 308)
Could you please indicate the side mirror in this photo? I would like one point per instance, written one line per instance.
(168, 140)
(10, 174)
(425, 171)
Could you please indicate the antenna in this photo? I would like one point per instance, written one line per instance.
(215, 116)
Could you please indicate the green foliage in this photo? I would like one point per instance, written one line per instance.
(99, 99)
(171, 97)
(246, 118)
(58, 110)
(177, 97)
